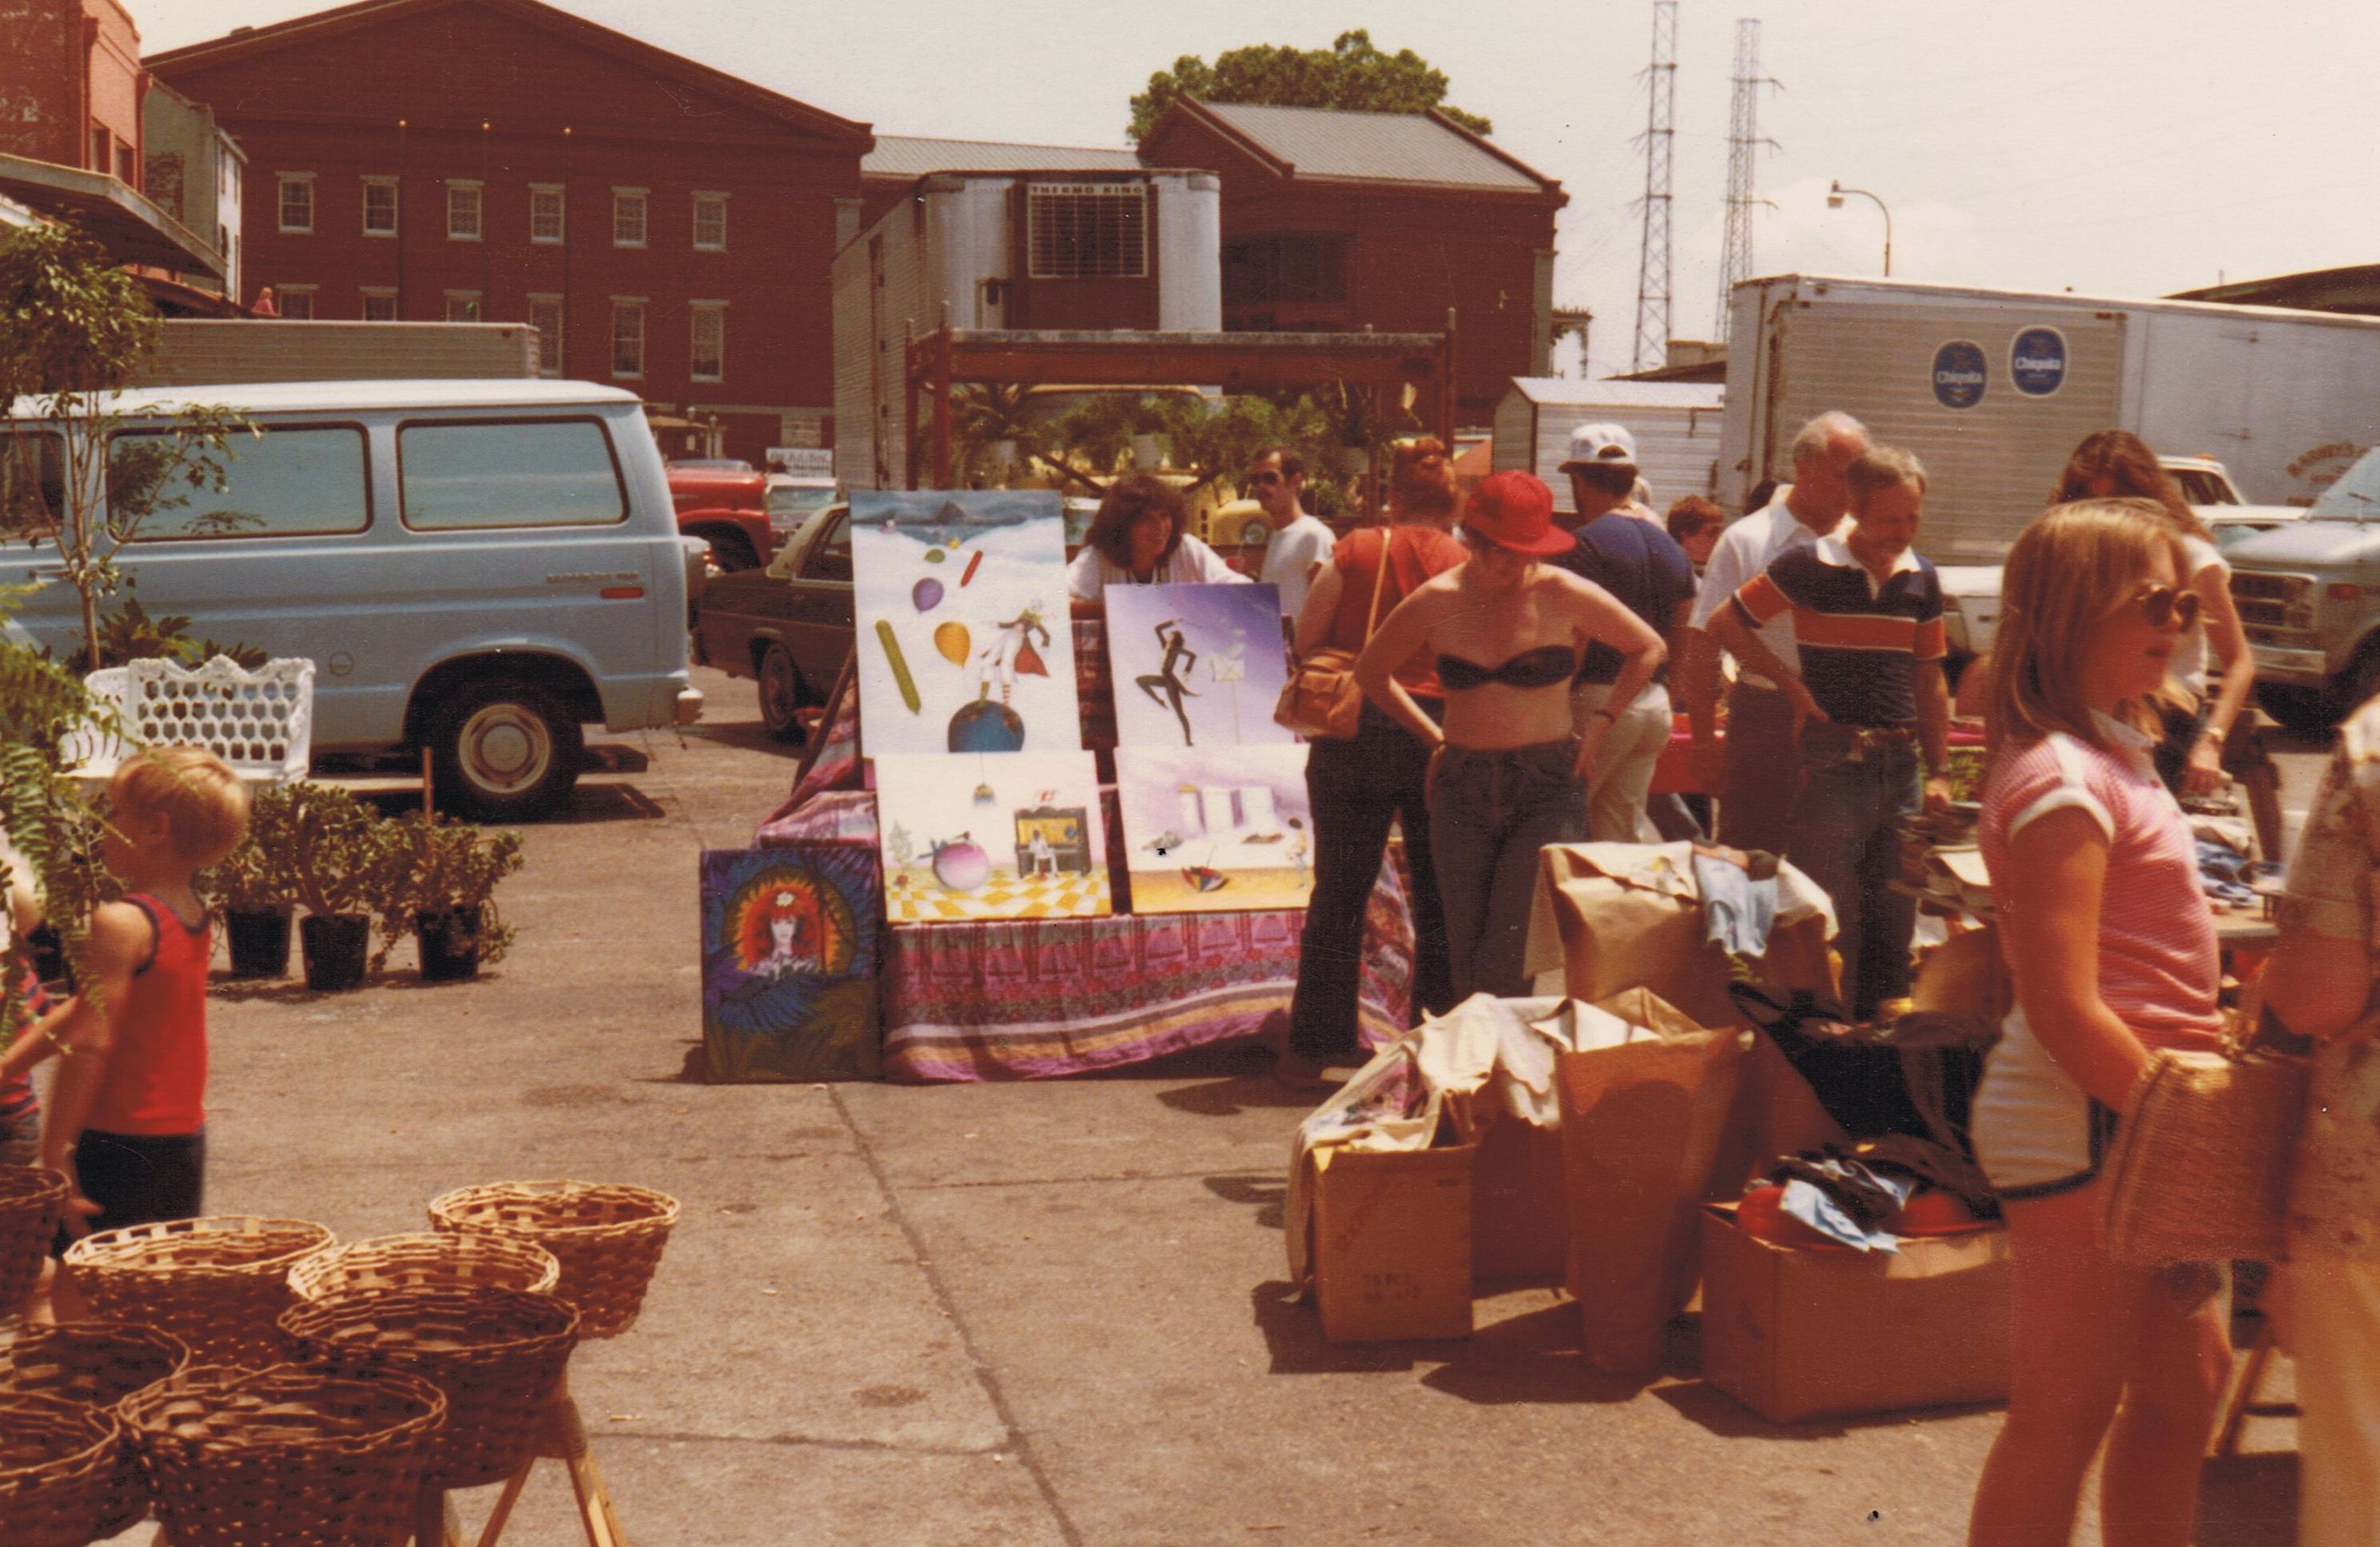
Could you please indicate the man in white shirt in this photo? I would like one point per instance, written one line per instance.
(1301, 544)
(1757, 778)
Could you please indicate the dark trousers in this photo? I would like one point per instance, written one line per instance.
(1354, 789)
(1493, 810)
(1846, 838)
(1756, 810)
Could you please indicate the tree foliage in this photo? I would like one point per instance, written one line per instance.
(1351, 75)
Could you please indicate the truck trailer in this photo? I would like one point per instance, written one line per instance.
(1676, 425)
(1991, 389)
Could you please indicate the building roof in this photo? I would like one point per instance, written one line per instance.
(244, 43)
(905, 156)
(1414, 148)
(2355, 288)
(132, 229)
(1608, 392)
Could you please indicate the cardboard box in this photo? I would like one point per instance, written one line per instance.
(1519, 1209)
(1794, 1334)
(1392, 1242)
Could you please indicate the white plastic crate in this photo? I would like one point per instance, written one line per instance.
(261, 722)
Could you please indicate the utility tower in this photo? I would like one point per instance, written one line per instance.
(1742, 139)
(1653, 269)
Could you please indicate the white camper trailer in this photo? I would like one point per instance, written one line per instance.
(1676, 425)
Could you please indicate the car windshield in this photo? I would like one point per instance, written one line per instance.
(2200, 487)
(797, 501)
(2355, 496)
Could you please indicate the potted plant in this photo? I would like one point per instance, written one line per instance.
(253, 887)
(335, 850)
(441, 885)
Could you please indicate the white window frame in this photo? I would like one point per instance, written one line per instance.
(395, 208)
(478, 190)
(641, 201)
(476, 299)
(371, 293)
(623, 306)
(305, 293)
(709, 197)
(283, 184)
(548, 340)
(698, 313)
(561, 213)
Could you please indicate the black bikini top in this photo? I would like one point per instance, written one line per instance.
(1542, 667)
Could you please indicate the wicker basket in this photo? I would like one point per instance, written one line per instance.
(608, 1238)
(497, 1354)
(32, 1201)
(427, 1261)
(97, 1364)
(216, 1284)
(288, 1455)
(60, 1471)
(2201, 1169)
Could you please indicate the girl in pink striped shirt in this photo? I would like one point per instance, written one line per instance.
(2108, 936)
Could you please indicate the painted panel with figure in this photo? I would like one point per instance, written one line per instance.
(1196, 665)
(960, 603)
(1216, 829)
(991, 836)
(789, 957)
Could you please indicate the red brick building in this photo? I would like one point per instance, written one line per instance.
(71, 84)
(666, 226)
(1340, 221)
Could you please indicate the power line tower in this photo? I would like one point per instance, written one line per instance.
(1653, 269)
(1743, 138)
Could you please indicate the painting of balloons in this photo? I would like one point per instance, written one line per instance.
(1196, 665)
(961, 601)
(1008, 835)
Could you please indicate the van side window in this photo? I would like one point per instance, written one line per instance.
(32, 484)
(473, 474)
(830, 560)
(286, 482)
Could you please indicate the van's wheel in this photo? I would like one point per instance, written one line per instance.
(781, 695)
(506, 752)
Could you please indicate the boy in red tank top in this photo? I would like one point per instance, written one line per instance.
(127, 1114)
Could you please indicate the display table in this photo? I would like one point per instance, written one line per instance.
(1035, 998)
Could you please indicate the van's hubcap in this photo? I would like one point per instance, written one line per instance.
(506, 748)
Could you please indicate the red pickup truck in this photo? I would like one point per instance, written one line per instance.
(727, 509)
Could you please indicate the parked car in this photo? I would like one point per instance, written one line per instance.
(2309, 595)
(788, 626)
(727, 508)
(478, 567)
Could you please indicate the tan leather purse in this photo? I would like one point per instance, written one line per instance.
(1320, 699)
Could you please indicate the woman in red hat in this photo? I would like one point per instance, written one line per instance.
(1509, 775)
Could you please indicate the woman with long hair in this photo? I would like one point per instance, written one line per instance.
(2117, 464)
(1141, 536)
(1357, 787)
(1508, 773)
(2111, 948)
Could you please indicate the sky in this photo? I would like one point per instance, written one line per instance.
(2119, 147)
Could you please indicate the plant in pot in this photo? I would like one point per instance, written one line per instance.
(442, 879)
(335, 850)
(255, 887)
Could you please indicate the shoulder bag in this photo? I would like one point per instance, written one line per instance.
(1321, 698)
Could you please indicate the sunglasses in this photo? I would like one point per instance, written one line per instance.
(2163, 606)
(1268, 475)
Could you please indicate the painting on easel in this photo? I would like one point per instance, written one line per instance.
(965, 644)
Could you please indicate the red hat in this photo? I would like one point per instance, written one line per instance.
(1515, 510)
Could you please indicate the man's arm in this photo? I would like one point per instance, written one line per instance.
(1733, 633)
(1933, 731)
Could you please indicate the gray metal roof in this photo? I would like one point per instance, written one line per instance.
(898, 155)
(1607, 393)
(1377, 147)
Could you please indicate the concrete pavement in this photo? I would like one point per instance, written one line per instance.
(998, 1314)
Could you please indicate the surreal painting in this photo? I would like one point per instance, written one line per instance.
(789, 954)
(960, 600)
(1012, 835)
(1216, 829)
(1196, 665)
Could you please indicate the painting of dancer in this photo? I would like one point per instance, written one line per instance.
(1196, 665)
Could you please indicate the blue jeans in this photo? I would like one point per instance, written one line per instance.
(1490, 814)
(1842, 836)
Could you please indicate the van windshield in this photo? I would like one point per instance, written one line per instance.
(2355, 496)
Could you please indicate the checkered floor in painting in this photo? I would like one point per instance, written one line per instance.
(1006, 895)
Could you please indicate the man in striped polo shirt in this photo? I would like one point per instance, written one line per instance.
(1868, 697)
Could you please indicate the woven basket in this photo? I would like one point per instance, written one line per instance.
(216, 1284)
(2201, 1169)
(288, 1455)
(427, 1261)
(608, 1238)
(497, 1354)
(60, 1469)
(32, 1201)
(96, 1364)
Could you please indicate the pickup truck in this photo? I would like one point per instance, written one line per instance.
(787, 626)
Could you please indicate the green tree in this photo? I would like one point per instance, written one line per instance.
(1350, 74)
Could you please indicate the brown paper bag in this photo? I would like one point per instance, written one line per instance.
(1641, 1129)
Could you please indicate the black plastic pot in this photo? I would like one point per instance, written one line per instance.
(448, 939)
(335, 945)
(259, 942)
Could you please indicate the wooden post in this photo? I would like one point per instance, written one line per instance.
(942, 408)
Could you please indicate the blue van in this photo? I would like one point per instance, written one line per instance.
(478, 567)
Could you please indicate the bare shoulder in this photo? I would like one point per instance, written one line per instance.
(120, 934)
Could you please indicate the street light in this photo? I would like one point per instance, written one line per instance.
(1835, 196)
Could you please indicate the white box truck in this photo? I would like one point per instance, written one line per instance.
(1676, 425)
